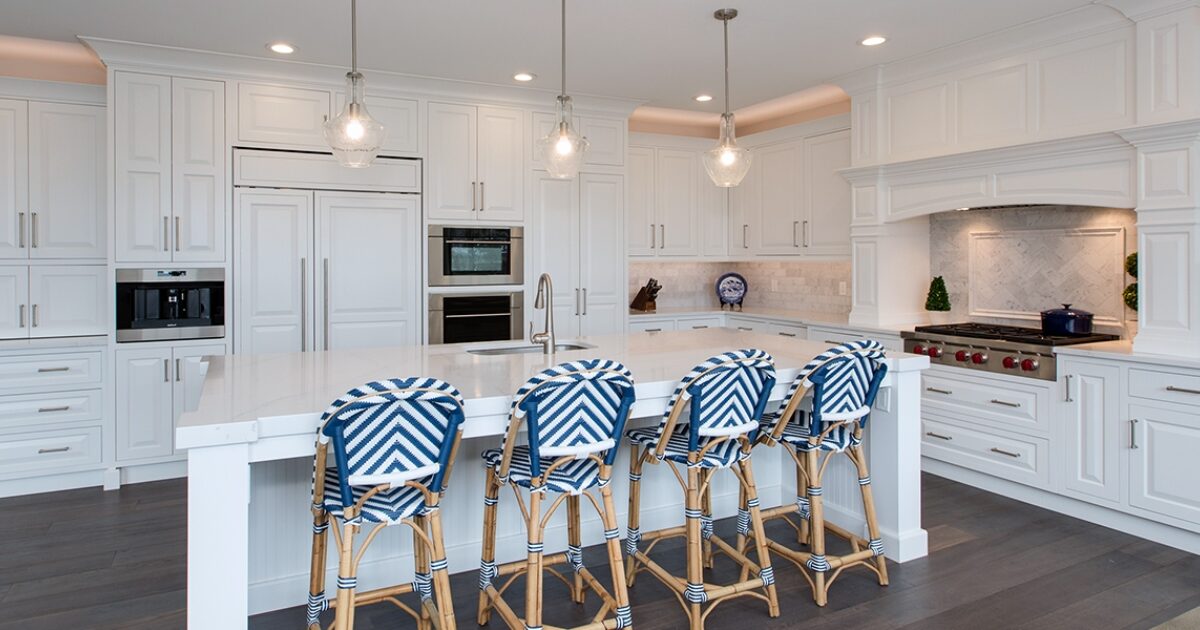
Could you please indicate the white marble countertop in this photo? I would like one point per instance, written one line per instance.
(808, 318)
(245, 397)
(1122, 350)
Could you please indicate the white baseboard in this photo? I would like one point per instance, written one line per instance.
(51, 483)
(154, 472)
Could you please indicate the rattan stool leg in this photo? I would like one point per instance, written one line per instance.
(803, 532)
(868, 499)
(347, 580)
(695, 555)
(620, 590)
(488, 555)
(760, 538)
(316, 575)
(421, 567)
(441, 573)
(574, 539)
(633, 534)
(817, 562)
(706, 519)
(533, 574)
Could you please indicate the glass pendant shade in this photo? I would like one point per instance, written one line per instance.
(563, 149)
(727, 163)
(354, 136)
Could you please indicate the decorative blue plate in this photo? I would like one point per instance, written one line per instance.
(731, 288)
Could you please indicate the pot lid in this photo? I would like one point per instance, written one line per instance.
(1066, 310)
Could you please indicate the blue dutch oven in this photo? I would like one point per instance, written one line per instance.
(1066, 321)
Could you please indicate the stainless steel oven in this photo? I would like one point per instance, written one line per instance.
(157, 304)
(476, 256)
(466, 317)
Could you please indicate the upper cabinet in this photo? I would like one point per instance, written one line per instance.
(606, 138)
(282, 116)
(171, 169)
(400, 118)
(476, 166)
(825, 217)
(52, 181)
(674, 209)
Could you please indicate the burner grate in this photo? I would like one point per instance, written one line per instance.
(1015, 334)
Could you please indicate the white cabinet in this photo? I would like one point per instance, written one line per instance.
(68, 301)
(326, 270)
(399, 116)
(476, 163)
(642, 220)
(152, 391)
(171, 171)
(1162, 444)
(775, 222)
(825, 218)
(652, 325)
(14, 178)
(281, 116)
(1091, 429)
(676, 202)
(14, 302)
(605, 136)
(578, 235)
(674, 209)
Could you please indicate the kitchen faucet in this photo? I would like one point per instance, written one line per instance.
(544, 300)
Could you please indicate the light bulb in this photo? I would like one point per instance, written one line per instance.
(728, 157)
(563, 146)
(354, 129)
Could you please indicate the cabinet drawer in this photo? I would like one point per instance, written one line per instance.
(989, 401)
(792, 331)
(1016, 458)
(45, 450)
(39, 409)
(1164, 386)
(50, 370)
(745, 325)
(697, 323)
(652, 326)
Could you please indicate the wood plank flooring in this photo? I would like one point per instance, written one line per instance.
(91, 559)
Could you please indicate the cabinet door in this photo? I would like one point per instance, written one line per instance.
(606, 138)
(452, 193)
(675, 202)
(68, 301)
(145, 415)
(399, 117)
(1162, 461)
(713, 216)
(642, 225)
(778, 227)
(14, 302)
(198, 170)
(369, 251)
(187, 379)
(745, 213)
(66, 181)
(276, 115)
(274, 263)
(142, 146)
(604, 283)
(14, 179)
(555, 229)
(501, 166)
(1091, 429)
(827, 195)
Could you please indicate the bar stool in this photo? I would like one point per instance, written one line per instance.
(574, 413)
(393, 445)
(844, 382)
(725, 397)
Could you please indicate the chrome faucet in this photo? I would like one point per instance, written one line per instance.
(544, 300)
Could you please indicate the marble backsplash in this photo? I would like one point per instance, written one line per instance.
(1006, 265)
(789, 285)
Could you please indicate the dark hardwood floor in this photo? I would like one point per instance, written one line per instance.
(91, 559)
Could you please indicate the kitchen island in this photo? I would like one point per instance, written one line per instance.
(250, 444)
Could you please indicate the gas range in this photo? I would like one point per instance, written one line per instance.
(991, 348)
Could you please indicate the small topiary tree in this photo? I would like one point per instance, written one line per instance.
(939, 298)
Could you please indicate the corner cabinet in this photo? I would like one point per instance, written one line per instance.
(476, 165)
(578, 238)
(674, 209)
(171, 174)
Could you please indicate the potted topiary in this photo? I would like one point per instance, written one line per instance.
(938, 302)
(1130, 294)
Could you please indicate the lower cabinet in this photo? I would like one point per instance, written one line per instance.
(151, 392)
(1090, 424)
(1162, 444)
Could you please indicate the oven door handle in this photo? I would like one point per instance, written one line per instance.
(478, 242)
(470, 315)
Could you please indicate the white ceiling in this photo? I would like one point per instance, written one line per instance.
(661, 51)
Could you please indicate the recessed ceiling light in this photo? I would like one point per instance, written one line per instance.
(524, 77)
(873, 40)
(282, 48)
(704, 98)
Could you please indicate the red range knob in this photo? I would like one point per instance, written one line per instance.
(1010, 363)
(935, 352)
(979, 358)
(918, 349)
(961, 355)
(1029, 365)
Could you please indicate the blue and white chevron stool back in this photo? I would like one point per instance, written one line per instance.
(393, 431)
(728, 393)
(575, 409)
(845, 381)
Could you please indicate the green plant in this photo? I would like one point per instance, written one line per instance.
(1130, 295)
(1131, 264)
(938, 298)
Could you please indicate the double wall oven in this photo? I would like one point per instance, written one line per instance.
(475, 275)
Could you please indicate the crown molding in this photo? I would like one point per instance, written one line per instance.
(81, 93)
(1138, 10)
(123, 55)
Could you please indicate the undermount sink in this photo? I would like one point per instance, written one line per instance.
(529, 349)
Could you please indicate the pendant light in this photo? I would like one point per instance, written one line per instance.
(726, 163)
(354, 136)
(562, 149)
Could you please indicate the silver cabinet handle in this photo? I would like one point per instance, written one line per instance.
(787, 334)
(33, 228)
(585, 301)
(482, 203)
(21, 230)
(1133, 434)
(745, 328)
(178, 371)
(54, 409)
(653, 330)
(577, 301)
(834, 343)
(54, 369)
(166, 234)
(936, 390)
(699, 327)
(61, 449)
(653, 241)
(745, 228)
(325, 305)
(176, 233)
(938, 436)
(662, 236)
(474, 200)
(1005, 453)
(1182, 390)
(303, 304)
(1067, 387)
(805, 230)
(795, 241)
(35, 315)
(1005, 403)
(21, 316)
(166, 370)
